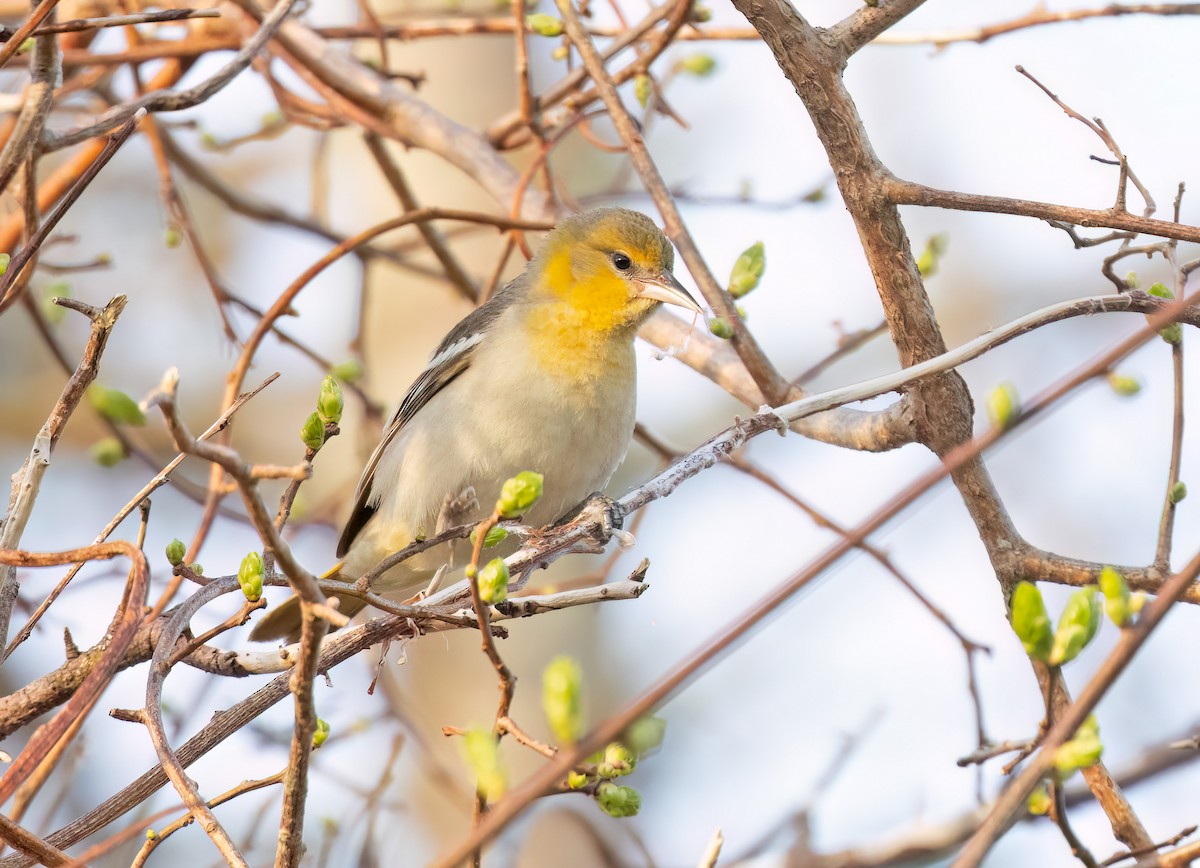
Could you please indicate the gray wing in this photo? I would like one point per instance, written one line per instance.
(449, 360)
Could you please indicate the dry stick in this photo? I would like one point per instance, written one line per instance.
(166, 100)
(716, 646)
(35, 109)
(436, 242)
(1162, 556)
(27, 480)
(121, 631)
(9, 48)
(35, 242)
(866, 23)
(30, 844)
(76, 25)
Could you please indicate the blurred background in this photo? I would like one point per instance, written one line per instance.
(855, 660)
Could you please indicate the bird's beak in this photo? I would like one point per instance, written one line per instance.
(667, 289)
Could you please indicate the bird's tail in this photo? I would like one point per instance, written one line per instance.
(283, 621)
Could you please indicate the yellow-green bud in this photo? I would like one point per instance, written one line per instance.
(720, 327)
(322, 733)
(483, 756)
(108, 452)
(618, 761)
(1124, 385)
(1171, 333)
(699, 65)
(748, 270)
(576, 780)
(1137, 601)
(618, 801)
(151, 835)
(1030, 621)
(700, 14)
(1077, 625)
(1116, 596)
(644, 734)
(4, 259)
(172, 237)
(330, 401)
(562, 688)
(197, 568)
(560, 53)
(493, 537)
(115, 405)
(1003, 405)
(54, 313)
(176, 551)
(493, 581)
(26, 46)
(544, 25)
(250, 576)
(1039, 801)
(1131, 280)
(349, 371)
(931, 256)
(1083, 750)
(1178, 492)
(312, 432)
(643, 88)
(518, 494)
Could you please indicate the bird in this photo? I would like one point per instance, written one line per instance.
(540, 377)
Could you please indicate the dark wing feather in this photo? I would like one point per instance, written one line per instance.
(431, 381)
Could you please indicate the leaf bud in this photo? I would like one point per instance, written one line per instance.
(493, 581)
(176, 551)
(562, 688)
(321, 734)
(108, 452)
(115, 406)
(1116, 596)
(483, 756)
(747, 270)
(544, 25)
(493, 537)
(699, 65)
(349, 371)
(618, 801)
(1003, 405)
(618, 761)
(1123, 384)
(1178, 493)
(720, 327)
(1083, 750)
(1030, 621)
(312, 432)
(250, 576)
(519, 493)
(1077, 625)
(643, 88)
(330, 402)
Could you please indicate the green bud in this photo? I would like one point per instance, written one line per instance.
(576, 780)
(1131, 280)
(26, 46)
(1116, 596)
(1003, 405)
(1173, 332)
(196, 568)
(643, 88)
(1137, 601)
(1039, 802)
(518, 494)
(1083, 750)
(176, 551)
(562, 688)
(330, 402)
(747, 270)
(494, 537)
(321, 734)
(699, 65)
(250, 576)
(115, 405)
(493, 581)
(720, 327)
(560, 53)
(272, 118)
(349, 371)
(1030, 621)
(931, 256)
(741, 312)
(483, 756)
(700, 14)
(108, 452)
(151, 835)
(173, 237)
(312, 432)
(618, 761)
(544, 25)
(54, 313)
(644, 734)
(1077, 625)
(4, 260)
(104, 259)
(618, 801)
(209, 141)
(1178, 492)
(1124, 385)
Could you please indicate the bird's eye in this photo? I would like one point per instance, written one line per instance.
(622, 262)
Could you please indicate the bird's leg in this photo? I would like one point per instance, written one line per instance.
(604, 514)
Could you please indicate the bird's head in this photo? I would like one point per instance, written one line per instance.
(611, 266)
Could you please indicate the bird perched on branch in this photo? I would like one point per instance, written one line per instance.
(541, 377)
